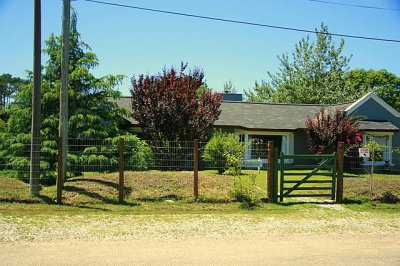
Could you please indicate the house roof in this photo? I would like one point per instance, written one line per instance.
(276, 117)
(353, 107)
(268, 116)
(377, 126)
(126, 103)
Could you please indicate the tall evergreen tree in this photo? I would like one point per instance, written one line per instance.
(91, 114)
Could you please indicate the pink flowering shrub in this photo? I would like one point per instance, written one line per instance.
(327, 128)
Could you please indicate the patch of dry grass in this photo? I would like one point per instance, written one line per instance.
(146, 186)
(156, 186)
(368, 189)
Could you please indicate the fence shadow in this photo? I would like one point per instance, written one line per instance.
(316, 202)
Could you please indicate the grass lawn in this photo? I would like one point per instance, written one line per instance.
(157, 190)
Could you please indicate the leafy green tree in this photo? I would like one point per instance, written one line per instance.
(229, 88)
(375, 151)
(262, 92)
(385, 84)
(91, 114)
(314, 73)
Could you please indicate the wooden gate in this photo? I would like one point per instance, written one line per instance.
(315, 179)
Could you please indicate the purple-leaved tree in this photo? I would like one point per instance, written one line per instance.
(175, 106)
(327, 128)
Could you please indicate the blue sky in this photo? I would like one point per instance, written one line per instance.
(131, 42)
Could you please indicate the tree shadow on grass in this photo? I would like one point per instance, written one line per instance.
(16, 200)
(47, 199)
(160, 198)
(213, 200)
(94, 180)
(95, 195)
(127, 190)
(36, 200)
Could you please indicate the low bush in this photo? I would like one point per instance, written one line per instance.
(224, 151)
(245, 192)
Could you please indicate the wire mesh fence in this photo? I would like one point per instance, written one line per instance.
(97, 155)
(15, 161)
(156, 170)
(383, 163)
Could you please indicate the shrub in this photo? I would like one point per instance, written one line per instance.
(327, 128)
(245, 192)
(224, 151)
(138, 154)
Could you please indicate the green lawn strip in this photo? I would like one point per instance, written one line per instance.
(179, 207)
(158, 186)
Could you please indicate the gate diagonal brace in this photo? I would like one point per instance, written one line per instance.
(313, 172)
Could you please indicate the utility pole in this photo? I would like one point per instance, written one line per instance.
(34, 175)
(63, 126)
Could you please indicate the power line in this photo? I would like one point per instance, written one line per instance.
(353, 5)
(242, 22)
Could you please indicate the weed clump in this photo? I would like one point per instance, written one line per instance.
(388, 197)
(245, 192)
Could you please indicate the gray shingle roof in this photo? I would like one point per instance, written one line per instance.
(269, 116)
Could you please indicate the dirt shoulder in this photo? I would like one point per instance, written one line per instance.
(296, 250)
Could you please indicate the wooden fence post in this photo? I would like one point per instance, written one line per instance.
(275, 176)
(196, 168)
(59, 180)
(270, 172)
(121, 166)
(340, 167)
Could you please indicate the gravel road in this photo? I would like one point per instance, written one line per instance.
(350, 238)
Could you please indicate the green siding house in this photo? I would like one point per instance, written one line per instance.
(285, 123)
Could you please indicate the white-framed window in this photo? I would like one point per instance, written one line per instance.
(283, 140)
(385, 140)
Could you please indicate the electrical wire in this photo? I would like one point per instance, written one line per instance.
(242, 22)
(353, 5)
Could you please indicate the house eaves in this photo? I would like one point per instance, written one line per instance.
(268, 116)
